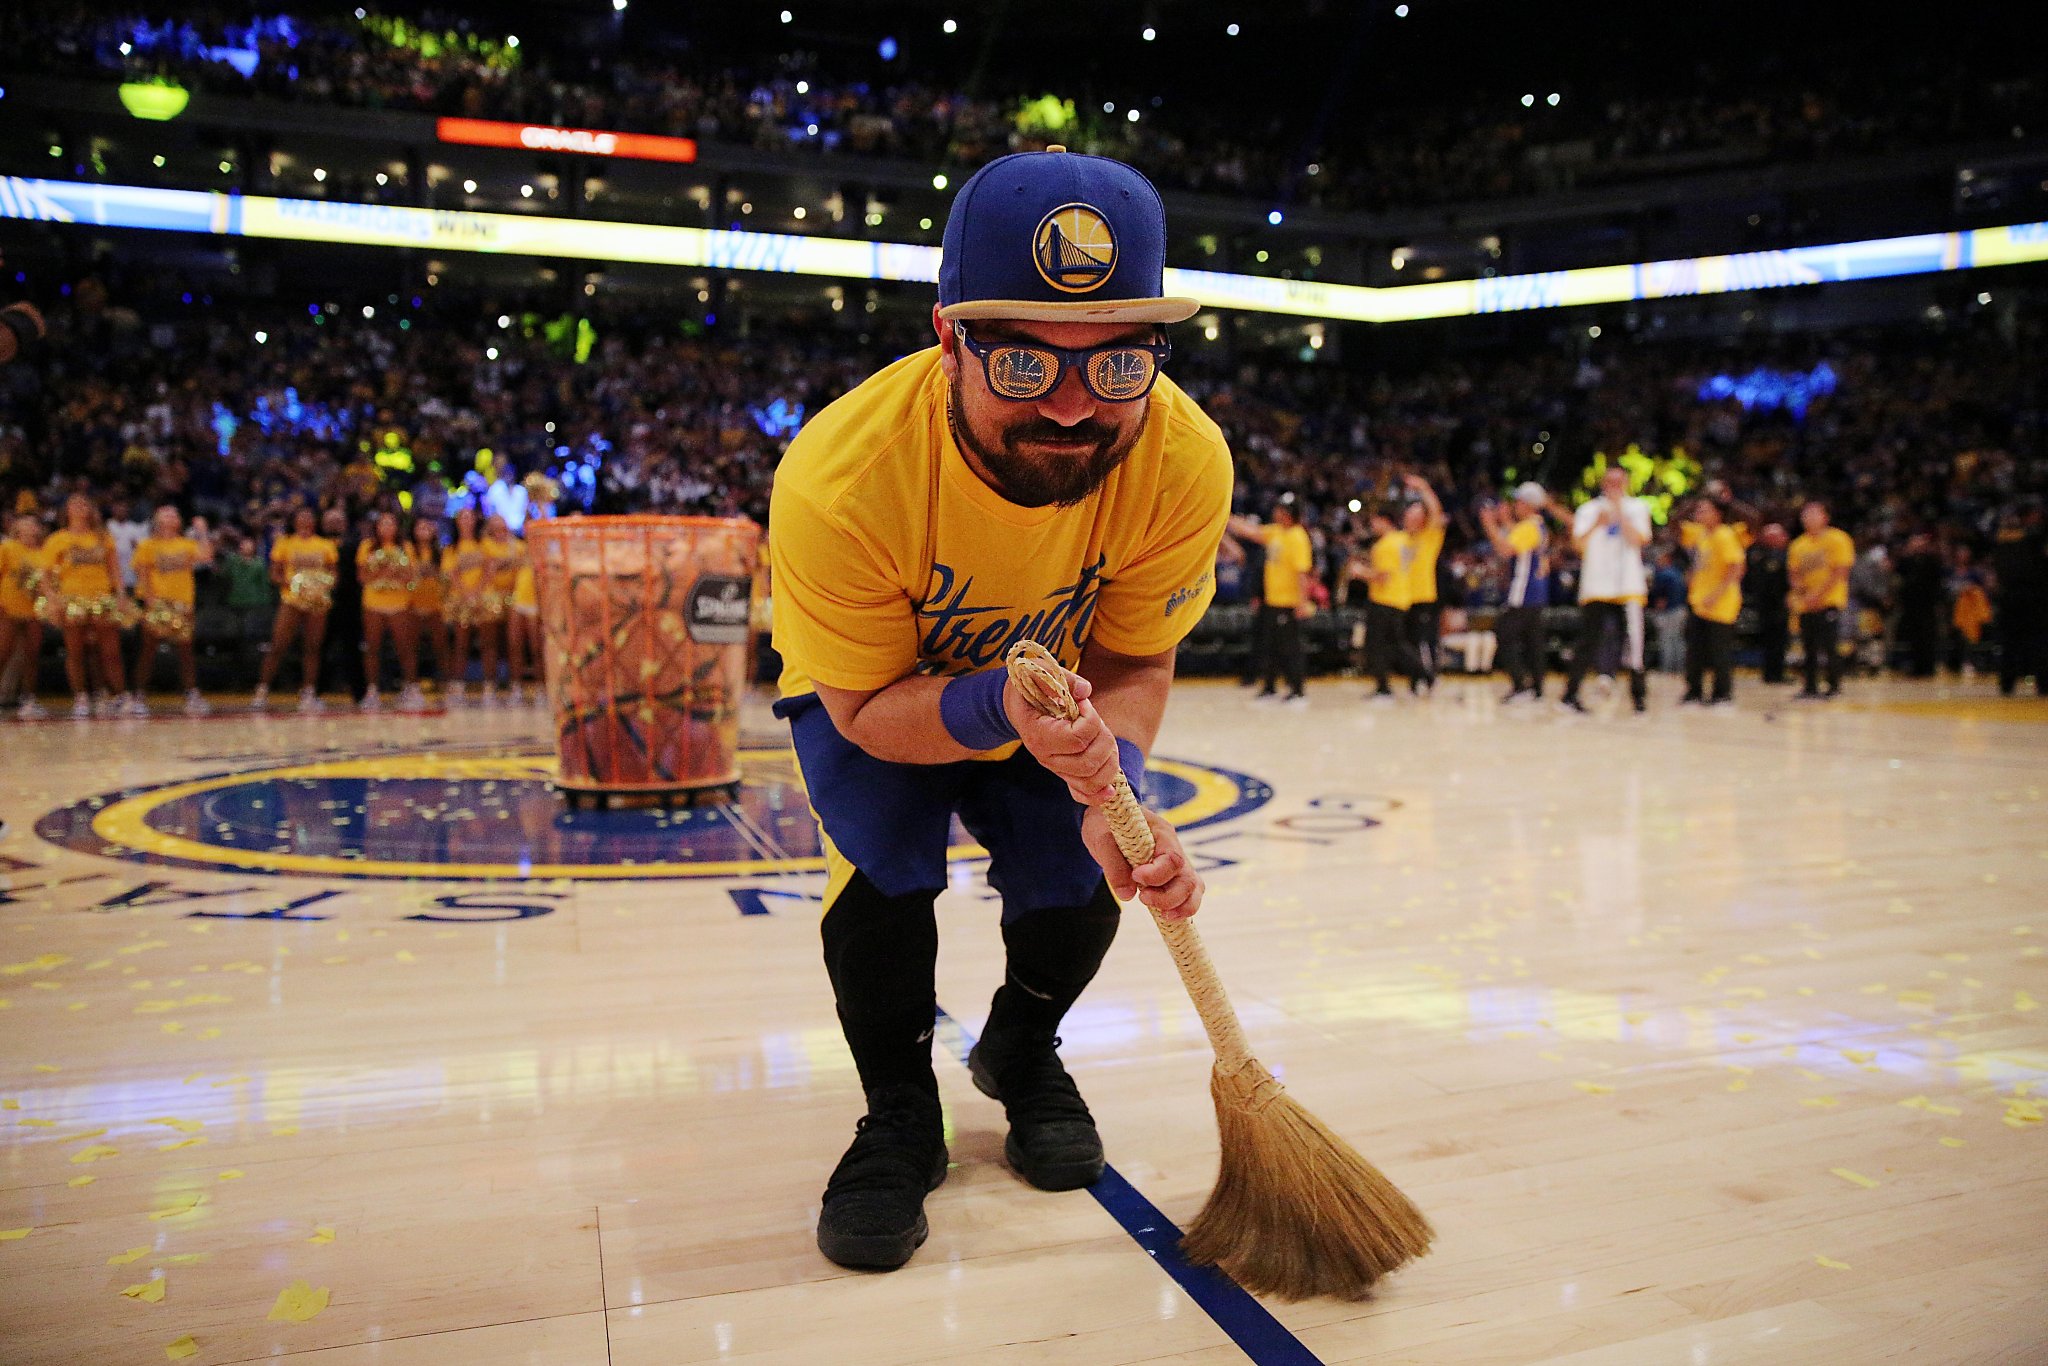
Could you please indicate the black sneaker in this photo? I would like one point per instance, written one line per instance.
(1570, 702)
(874, 1203)
(1052, 1142)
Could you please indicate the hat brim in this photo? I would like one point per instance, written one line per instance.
(1164, 310)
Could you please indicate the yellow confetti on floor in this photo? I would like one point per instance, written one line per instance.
(1952, 1142)
(285, 1131)
(14, 1235)
(2022, 1002)
(183, 1126)
(95, 1153)
(2020, 1113)
(1830, 1263)
(1821, 1102)
(183, 1204)
(298, 1302)
(1857, 1055)
(1594, 1088)
(1854, 1178)
(78, 1181)
(149, 1292)
(231, 1174)
(37, 1123)
(179, 1348)
(133, 1254)
(322, 1233)
(178, 1143)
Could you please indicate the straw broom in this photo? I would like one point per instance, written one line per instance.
(1296, 1211)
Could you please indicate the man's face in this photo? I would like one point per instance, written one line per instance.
(1414, 517)
(1813, 517)
(1054, 450)
(1614, 484)
(1774, 536)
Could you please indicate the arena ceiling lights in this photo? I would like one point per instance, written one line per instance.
(312, 220)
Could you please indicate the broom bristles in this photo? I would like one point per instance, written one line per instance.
(1296, 1211)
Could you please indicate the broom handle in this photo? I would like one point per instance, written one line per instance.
(1039, 678)
(1134, 840)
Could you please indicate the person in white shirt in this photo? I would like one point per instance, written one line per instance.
(507, 498)
(129, 530)
(1610, 532)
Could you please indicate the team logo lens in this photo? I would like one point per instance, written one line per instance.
(1074, 249)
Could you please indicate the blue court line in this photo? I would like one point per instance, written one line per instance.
(1261, 1336)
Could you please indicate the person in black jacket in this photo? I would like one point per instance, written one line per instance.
(1923, 592)
(1764, 585)
(2020, 600)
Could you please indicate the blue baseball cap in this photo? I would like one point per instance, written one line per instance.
(1055, 236)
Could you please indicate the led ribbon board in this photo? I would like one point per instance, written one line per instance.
(315, 220)
(537, 137)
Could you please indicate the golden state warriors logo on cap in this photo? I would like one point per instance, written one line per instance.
(1074, 249)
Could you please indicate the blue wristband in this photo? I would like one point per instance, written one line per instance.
(972, 708)
(1131, 760)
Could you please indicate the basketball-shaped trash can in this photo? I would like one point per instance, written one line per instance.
(645, 627)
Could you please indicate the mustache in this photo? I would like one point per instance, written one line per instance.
(1044, 429)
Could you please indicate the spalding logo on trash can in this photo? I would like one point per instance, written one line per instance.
(717, 610)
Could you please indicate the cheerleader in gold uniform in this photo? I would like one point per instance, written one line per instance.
(302, 566)
(164, 565)
(429, 595)
(21, 635)
(81, 599)
(473, 610)
(506, 556)
(386, 569)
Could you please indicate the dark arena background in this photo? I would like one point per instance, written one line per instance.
(409, 902)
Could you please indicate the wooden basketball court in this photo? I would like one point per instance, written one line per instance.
(1701, 1038)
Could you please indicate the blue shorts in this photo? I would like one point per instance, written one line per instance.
(894, 822)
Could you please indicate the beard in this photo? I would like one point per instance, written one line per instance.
(1035, 477)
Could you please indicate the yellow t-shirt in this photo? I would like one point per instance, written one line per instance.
(1812, 558)
(1391, 557)
(386, 578)
(892, 557)
(504, 557)
(525, 593)
(82, 561)
(1714, 553)
(17, 564)
(295, 553)
(463, 565)
(163, 569)
(1424, 547)
(1289, 555)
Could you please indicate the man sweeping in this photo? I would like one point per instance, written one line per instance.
(1033, 476)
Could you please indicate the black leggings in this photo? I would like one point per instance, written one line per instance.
(881, 953)
(1280, 636)
(1595, 620)
(1425, 630)
(1709, 646)
(1821, 635)
(1520, 633)
(1387, 645)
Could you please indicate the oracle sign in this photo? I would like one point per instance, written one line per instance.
(578, 141)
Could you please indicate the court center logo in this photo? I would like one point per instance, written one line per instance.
(496, 814)
(1074, 248)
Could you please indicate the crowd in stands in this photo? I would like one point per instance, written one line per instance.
(1924, 444)
(1459, 149)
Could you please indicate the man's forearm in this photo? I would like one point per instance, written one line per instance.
(901, 723)
(1129, 692)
